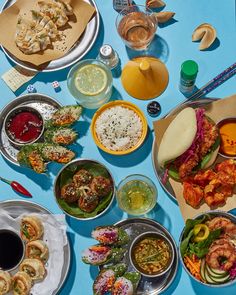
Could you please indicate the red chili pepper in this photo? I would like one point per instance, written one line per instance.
(17, 187)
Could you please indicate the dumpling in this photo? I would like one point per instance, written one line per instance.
(34, 268)
(37, 249)
(25, 38)
(43, 23)
(31, 228)
(22, 283)
(5, 282)
(54, 12)
(65, 7)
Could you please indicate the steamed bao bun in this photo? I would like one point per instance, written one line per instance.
(178, 136)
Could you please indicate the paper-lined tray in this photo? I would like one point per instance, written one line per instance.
(217, 110)
(80, 36)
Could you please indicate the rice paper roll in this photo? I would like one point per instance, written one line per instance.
(37, 249)
(110, 235)
(56, 153)
(5, 282)
(106, 278)
(60, 135)
(65, 116)
(31, 228)
(99, 255)
(22, 283)
(34, 268)
(127, 284)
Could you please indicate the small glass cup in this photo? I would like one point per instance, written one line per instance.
(136, 26)
(87, 100)
(136, 194)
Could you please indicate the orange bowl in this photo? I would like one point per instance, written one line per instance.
(129, 106)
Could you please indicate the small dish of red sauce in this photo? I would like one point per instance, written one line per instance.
(227, 130)
(24, 125)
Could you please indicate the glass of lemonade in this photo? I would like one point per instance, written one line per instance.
(136, 26)
(136, 194)
(90, 82)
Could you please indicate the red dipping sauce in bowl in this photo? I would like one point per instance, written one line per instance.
(24, 125)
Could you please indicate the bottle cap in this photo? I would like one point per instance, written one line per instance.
(106, 51)
(189, 70)
(153, 108)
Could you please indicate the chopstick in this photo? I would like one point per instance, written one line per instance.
(215, 82)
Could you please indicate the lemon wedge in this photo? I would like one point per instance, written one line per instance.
(90, 80)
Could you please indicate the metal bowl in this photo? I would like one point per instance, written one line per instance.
(14, 112)
(213, 213)
(74, 165)
(220, 123)
(157, 235)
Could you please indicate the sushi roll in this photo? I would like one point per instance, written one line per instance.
(127, 284)
(99, 255)
(30, 156)
(65, 116)
(106, 278)
(22, 283)
(60, 135)
(31, 228)
(56, 153)
(34, 268)
(110, 235)
(37, 249)
(5, 282)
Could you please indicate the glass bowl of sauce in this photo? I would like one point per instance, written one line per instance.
(136, 194)
(23, 125)
(151, 254)
(227, 130)
(12, 249)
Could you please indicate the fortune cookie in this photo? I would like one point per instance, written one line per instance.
(155, 3)
(206, 33)
(163, 16)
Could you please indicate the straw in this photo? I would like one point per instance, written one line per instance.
(215, 82)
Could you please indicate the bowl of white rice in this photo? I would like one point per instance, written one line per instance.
(119, 127)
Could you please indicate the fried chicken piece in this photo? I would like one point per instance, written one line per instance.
(229, 167)
(203, 145)
(210, 134)
(186, 168)
(202, 178)
(192, 194)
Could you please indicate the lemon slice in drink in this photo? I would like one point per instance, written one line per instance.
(90, 80)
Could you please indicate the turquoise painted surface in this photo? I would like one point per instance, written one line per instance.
(173, 45)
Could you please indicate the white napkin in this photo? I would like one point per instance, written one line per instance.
(55, 238)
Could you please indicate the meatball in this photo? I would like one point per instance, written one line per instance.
(101, 186)
(82, 177)
(88, 201)
(69, 193)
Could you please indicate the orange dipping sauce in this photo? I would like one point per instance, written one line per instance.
(227, 129)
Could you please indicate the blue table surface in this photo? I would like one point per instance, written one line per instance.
(173, 46)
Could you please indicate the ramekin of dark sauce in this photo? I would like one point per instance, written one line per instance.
(24, 125)
(227, 130)
(12, 249)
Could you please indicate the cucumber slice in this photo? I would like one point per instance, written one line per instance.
(202, 269)
(221, 280)
(208, 277)
(219, 271)
(213, 272)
